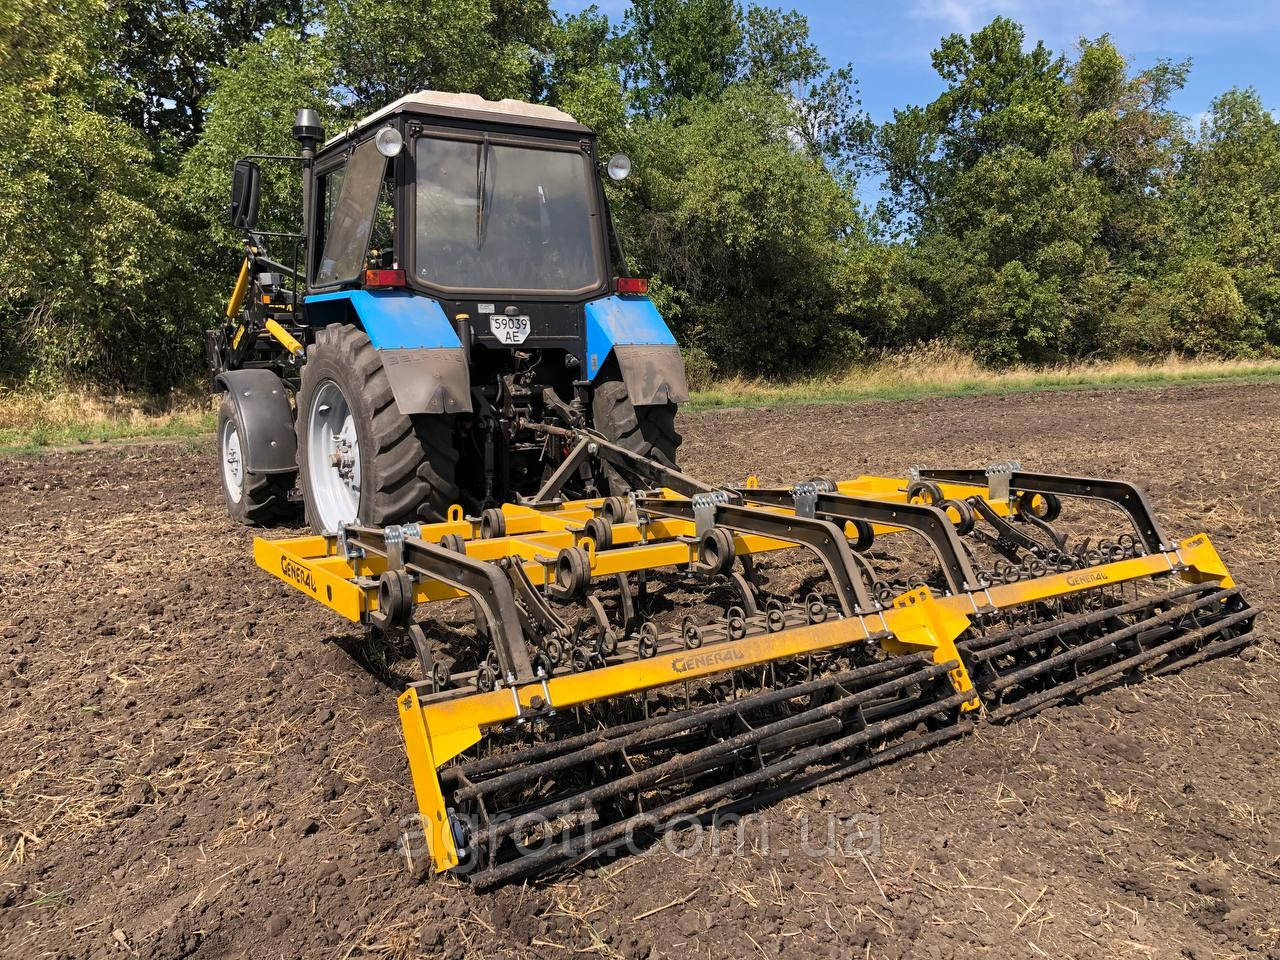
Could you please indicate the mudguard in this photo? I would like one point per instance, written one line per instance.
(633, 332)
(418, 346)
(266, 418)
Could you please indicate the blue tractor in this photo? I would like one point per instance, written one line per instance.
(456, 305)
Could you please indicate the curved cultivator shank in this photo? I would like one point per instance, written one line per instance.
(690, 650)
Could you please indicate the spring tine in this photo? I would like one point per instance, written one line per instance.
(627, 614)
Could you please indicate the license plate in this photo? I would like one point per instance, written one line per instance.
(506, 329)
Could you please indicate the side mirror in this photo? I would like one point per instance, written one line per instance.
(244, 195)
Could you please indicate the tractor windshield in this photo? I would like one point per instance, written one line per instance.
(494, 216)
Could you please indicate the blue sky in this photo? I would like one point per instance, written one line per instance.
(1230, 43)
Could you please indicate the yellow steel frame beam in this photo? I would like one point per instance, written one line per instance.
(535, 537)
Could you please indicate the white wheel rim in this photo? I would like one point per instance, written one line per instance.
(333, 458)
(232, 462)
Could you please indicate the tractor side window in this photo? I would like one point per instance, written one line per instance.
(328, 188)
(350, 218)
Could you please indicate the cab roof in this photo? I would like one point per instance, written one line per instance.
(469, 106)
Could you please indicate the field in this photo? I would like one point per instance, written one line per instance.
(196, 763)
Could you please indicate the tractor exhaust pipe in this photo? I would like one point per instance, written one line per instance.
(309, 133)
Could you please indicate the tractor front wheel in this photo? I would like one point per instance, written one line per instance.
(254, 499)
(360, 459)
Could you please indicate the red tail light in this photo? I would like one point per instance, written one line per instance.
(635, 286)
(376, 279)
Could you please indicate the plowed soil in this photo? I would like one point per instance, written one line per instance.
(197, 762)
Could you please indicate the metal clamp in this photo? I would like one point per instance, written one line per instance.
(395, 537)
(547, 709)
(806, 496)
(704, 510)
(998, 477)
(345, 547)
(806, 499)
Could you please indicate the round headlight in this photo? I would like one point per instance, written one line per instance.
(619, 166)
(389, 141)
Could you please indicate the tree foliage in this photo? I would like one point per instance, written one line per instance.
(1049, 205)
(1044, 206)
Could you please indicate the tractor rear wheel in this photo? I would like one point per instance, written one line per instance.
(360, 459)
(649, 431)
(254, 499)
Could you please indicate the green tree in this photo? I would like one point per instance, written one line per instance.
(1035, 191)
(164, 54)
(679, 50)
(1228, 198)
(91, 265)
(384, 49)
(747, 232)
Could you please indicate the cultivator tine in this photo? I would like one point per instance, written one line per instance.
(587, 715)
(484, 582)
(1119, 493)
(823, 537)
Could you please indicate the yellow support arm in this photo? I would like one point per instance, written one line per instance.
(287, 340)
(238, 294)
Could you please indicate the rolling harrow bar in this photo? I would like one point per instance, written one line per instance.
(585, 712)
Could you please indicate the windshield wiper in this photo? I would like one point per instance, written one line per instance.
(482, 174)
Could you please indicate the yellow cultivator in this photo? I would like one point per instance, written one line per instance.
(690, 649)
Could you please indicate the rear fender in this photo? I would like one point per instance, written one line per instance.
(417, 344)
(266, 419)
(632, 331)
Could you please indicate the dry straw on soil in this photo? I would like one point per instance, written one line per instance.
(68, 415)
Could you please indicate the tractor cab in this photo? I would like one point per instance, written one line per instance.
(465, 201)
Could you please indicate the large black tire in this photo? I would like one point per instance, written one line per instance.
(649, 430)
(259, 499)
(407, 463)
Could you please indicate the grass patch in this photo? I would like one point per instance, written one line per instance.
(944, 372)
(31, 419)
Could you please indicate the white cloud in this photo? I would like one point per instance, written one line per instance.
(966, 16)
(1154, 24)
